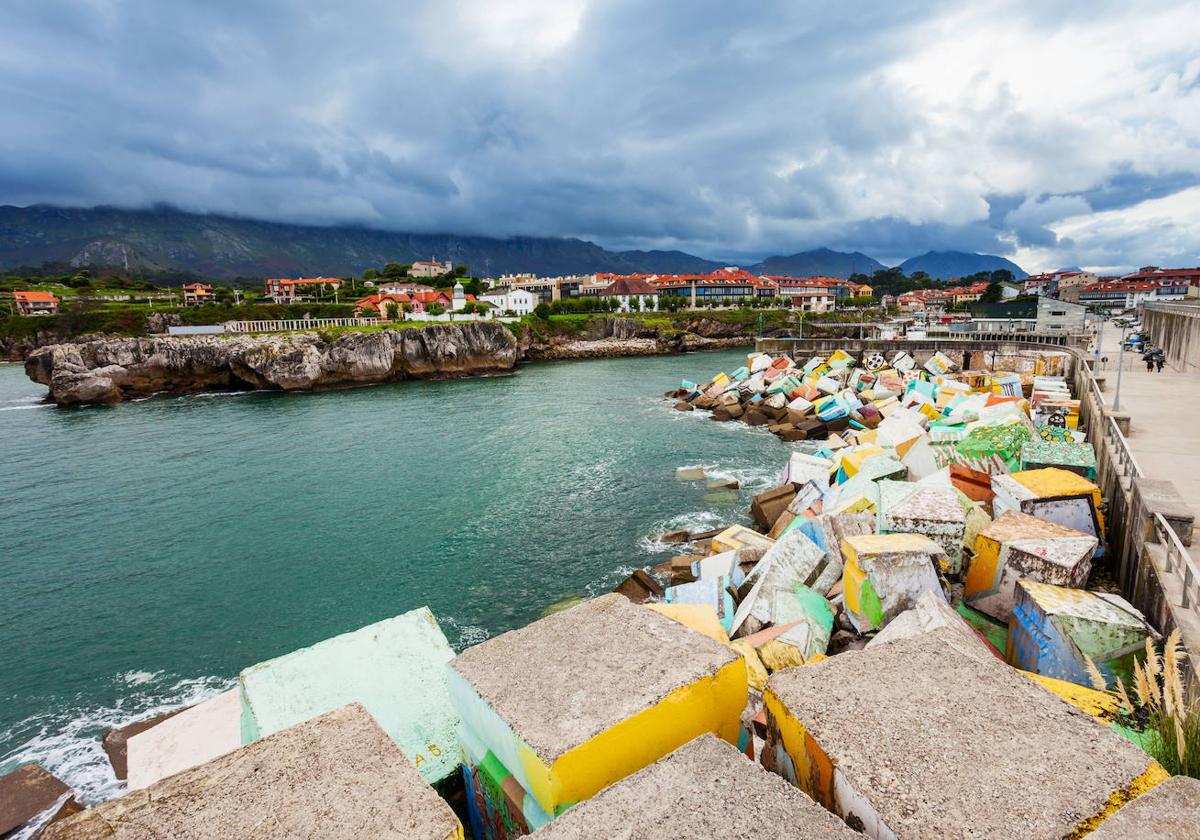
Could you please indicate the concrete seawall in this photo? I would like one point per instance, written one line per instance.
(1176, 329)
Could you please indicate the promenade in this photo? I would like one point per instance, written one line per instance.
(1164, 418)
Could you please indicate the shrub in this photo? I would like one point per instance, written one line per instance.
(542, 310)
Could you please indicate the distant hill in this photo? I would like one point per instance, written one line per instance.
(668, 262)
(225, 247)
(819, 263)
(943, 265)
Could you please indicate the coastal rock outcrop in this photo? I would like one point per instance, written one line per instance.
(107, 370)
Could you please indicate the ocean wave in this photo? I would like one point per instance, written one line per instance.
(68, 741)
(697, 520)
(26, 407)
(469, 635)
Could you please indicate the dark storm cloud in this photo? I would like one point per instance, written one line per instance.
(711, 126)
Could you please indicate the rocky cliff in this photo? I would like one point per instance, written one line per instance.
(107, 370)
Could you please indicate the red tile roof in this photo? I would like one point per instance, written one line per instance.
(35, 297)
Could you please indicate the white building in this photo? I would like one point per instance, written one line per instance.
(520, 301)
(431, 268)
(633, 294)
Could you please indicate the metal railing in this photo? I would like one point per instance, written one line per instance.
(1177, 560)
(296, 324)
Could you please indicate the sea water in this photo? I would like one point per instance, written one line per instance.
(149, 551)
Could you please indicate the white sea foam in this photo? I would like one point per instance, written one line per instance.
(468, 634)
(26, 407)
(697, 520)
(67, 741)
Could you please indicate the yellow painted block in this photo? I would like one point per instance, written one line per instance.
(930, 411)
(1154, 774)
(756, 672)
(981, 573)
(721, 379)
(1051, 481)
(700, 617)
(739, 536)
(852, 461)
(711, 704)
(777, 655)
(1099, 704)
(855, 505)
(814, 769)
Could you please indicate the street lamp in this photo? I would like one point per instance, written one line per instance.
(1120, 368)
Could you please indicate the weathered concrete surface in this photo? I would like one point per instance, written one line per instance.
(565, 678)
(106, 370)
(116, 741)
(338, 776)
(189, 739)
(395, 668)
(917, 738)
(1170, 811)
(26, 792)
(706, 789)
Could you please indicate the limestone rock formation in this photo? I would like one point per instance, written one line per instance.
(107, 370)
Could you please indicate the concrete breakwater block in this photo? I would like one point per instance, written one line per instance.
(704, 789)
(935, 511)
(194, 736)
(395, 668)
(1017, 545)
(1171, 811)
(885, 574)
(1054, 630)
(1052, 494)
(25, 793)
(336, 776)
(581, 699)
(116, 741)
(994, 754)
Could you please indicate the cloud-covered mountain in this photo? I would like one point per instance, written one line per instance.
(225, 247)
(821, 262)
(943, 265)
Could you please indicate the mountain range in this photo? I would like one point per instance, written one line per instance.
(164, 238)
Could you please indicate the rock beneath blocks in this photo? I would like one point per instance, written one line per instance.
(578, 700)
(1017, 546)
(704, 789)
(26, 793)
(395, 668)
(1170, 811)
(1054, 630)
(639, 587)
(976, 765)
(336, 776)
(768, 505)
(754, 417)
(684, 405)
(885, 574)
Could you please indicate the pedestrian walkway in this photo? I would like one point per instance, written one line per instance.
(1164, 419)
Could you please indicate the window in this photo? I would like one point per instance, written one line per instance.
(1057, 313)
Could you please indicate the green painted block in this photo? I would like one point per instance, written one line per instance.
(395, 668)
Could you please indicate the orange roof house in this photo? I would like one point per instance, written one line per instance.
(36, 303)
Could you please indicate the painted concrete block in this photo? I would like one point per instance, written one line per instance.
(699, 617)
(704, 789)
(1054, 630)
(932, 612)
(802, 468)
(191, 738)
(582, 698)
(976, 765)
(793, 560)
(1054, 495)
(498, 808)
(710, 592)
(934, 511)
(739, 536)
(1017, 545)
(885, 574)
(1077, 457)
(395, 668)
(338, 776)
(1171, 811)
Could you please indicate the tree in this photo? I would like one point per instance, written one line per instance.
(370, 274)
(408, 307)
(395, 270)
(469, 307)
(542, 310)
(992, 294)
(460, 271)
(393, 311)
(435, 309)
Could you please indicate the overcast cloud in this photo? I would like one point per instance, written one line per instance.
(1055, 133)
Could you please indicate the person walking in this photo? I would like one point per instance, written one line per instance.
(1160, 359)
(1148, 358)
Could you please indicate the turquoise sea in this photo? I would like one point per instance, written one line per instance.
(151, 550)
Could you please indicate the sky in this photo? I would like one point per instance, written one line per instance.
(1053, 133)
